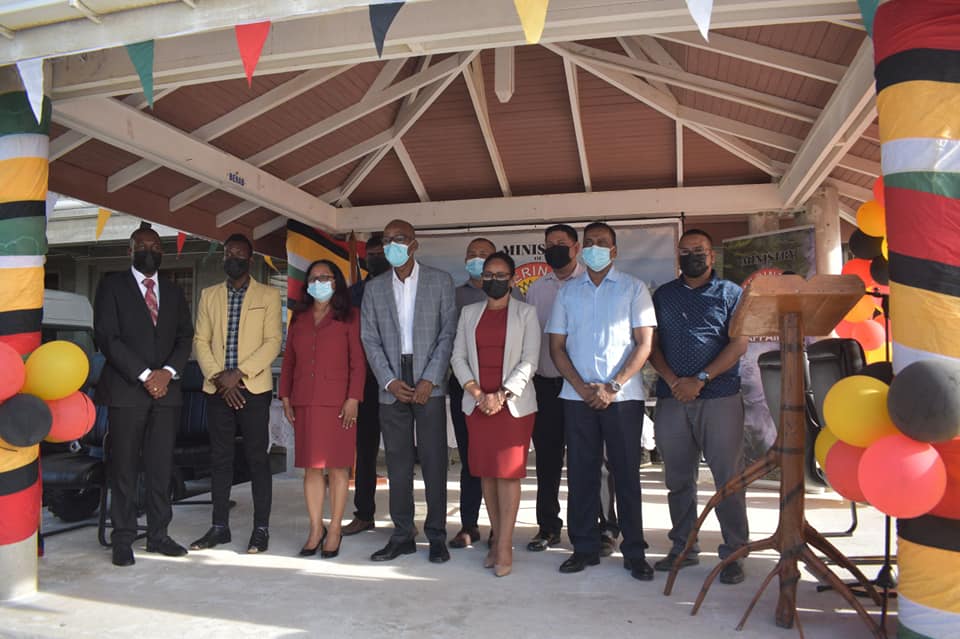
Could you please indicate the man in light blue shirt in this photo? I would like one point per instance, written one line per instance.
(601, 332)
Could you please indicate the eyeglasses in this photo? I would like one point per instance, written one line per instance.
(399, 239)
(500, 277)
(321, 278)
(696, 251)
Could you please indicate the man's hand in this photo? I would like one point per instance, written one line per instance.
(227, 379)
(234, 398)
(686, 389)
(401, 391)
(588, 392)
(157, 382)
(348, 414)
(422, 392)
(287, 409)
(604, 396)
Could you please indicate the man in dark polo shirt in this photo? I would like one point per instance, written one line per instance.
(699, 406)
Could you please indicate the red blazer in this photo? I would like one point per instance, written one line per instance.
(323, 365)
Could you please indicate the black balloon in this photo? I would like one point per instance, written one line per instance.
(880, 270)
(864, 246)
(879, 370)
(924, 400)
(24, 420)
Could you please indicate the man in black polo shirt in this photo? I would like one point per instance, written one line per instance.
(699, 406)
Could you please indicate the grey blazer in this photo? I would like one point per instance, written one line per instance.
(434, 327)
(521, 354)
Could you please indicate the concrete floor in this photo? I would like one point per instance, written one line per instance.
(223, 593)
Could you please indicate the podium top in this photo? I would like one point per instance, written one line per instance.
(821, 301)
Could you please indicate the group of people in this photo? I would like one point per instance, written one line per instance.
(560, 366)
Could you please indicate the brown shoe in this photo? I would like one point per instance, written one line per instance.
(358, 526)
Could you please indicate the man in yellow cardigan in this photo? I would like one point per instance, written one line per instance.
(238, 335)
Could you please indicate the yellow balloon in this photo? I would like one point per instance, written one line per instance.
(55, 370)
(825, 441)
(872, 219)
(855, 410)
(863, 310)
(885, 249)
(876, 355)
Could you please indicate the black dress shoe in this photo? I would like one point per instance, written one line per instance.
(666, 564)
(213, 537)
(438, 552)
(578, 561)
(732, 573)
(358, 526)
(122, 555)
(330, 554)
(310, 552)
(639, 568)
(259, 540)
(168, 547)
(542, 541)
(465, 537)
(394, 549)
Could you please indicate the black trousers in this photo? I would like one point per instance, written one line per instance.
(148, 431)
(252, 422)
(548, 441)
(368, 447)
(471, 492)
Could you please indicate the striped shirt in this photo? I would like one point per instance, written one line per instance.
(234, 304)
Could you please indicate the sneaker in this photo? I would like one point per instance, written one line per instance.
(259, 540)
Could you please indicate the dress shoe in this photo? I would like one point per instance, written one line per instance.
(330, 554)
(607, 545)
(259, 540)
(639, 568)
(122, 555)
(213, 537)
(491, 559)
(310, 552)
(358, 526)
(543, 540)
(502, 571)
(168, 547)
(666, 564)
(578, 561)
(732, 573)
(465, 537)
(394, 549)
(438, 552)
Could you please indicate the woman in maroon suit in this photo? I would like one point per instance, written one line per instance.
(321, 386)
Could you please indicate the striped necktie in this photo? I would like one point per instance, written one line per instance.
(151, 299)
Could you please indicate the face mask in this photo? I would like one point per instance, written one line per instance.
(236, 267)
(377, 264)
(320, 291)
(557, 256)
(596, 258)
(693, 265)
(495, 288)
(474, 267)
(147, 262)
(396, 254)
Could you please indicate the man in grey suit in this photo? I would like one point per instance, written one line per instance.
(408, 322)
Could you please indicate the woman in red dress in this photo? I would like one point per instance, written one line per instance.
(494, 357)
(321, 385)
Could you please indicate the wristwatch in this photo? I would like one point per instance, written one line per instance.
(703, 376)
(615, 386)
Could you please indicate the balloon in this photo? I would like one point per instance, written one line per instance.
(843, 462)
(24, 420)
(12, 372)
(863, 246)
(825, 441)
(860, 268)
(855, 409)
(872, 219)
(924, 400)
(862, 311)
(879, 370)
(844, 329)
(73, 416)
(880, 270)
(55, 370)
(885, 249)
(870, 335)
(902, 477)
(949, 506)
(878, 193)
(876, 356)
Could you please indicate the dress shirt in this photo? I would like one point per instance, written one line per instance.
(542, 294)
(405, 295)
(139, 278)
(598, 322)
(234, 307)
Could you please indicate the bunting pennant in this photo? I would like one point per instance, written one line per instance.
(52, 199)
(868, 8)
(305, 245)
(141, 55)
(214, 245)
(700, 11)
(181, 239)
(381, 17)
(269, 262)
(250, 40)
(533, 15)
(31, 74)
(102, 216)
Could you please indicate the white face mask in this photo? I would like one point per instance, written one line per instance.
(320, 291)
(596, 258)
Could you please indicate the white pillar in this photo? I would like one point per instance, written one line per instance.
(19, 569)
(823, 211)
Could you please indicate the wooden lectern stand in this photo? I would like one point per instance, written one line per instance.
(790, 307)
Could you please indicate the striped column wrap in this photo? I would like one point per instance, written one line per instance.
(917, 55)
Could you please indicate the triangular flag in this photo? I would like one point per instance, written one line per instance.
(52, 199)
(700, 11)
(269, 262)
(181, 238)
(31, 74)
(868, 9)
(214, 244)
(102, 216)
(533, 15)
(141, 54)
(250, 39)
(381, 17)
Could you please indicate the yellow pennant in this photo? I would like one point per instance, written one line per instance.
(533, 15)
(269, 261)
(102, 216)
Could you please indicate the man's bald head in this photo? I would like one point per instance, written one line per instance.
(400, 227)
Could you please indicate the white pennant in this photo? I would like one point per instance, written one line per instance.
(700, 11)
(31, 74)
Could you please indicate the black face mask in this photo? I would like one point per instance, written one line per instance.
(496, 288)
(147, 262)
(236, 267)
(693, 265)
(557, 256)
(377, 264)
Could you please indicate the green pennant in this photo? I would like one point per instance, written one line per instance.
(214, 245)
(141, 54)
(868, 9)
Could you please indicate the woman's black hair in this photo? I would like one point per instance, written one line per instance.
(503, 257)
(339, 303)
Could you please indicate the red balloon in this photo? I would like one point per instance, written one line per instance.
(902, 477)
(73, 417)
(878, 193)
(860, 268)
(12, 372)
(869, 334)
(949, 506)
(843, 460)
(844, 329)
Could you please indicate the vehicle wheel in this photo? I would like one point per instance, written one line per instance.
(73, 505)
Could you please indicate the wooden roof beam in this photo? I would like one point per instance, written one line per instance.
(573, 93)
(473, 76)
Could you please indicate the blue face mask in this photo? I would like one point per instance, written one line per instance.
(320, 291)
(474, 267)
(596, 258)
(396, 254)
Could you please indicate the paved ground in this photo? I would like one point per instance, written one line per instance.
(222, 593)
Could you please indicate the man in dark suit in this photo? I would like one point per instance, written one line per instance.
(142, 326)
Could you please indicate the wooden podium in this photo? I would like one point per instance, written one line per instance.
(788, 306)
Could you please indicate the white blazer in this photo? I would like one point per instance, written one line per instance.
(521, 353)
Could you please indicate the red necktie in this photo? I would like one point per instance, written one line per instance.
(151, 299)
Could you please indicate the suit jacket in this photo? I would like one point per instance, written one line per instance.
(323, 365)
(521, 353)
(130, 342)
(434, 327)
(258, 342)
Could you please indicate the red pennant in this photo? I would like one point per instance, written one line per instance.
(181, 238)
(250, 39)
